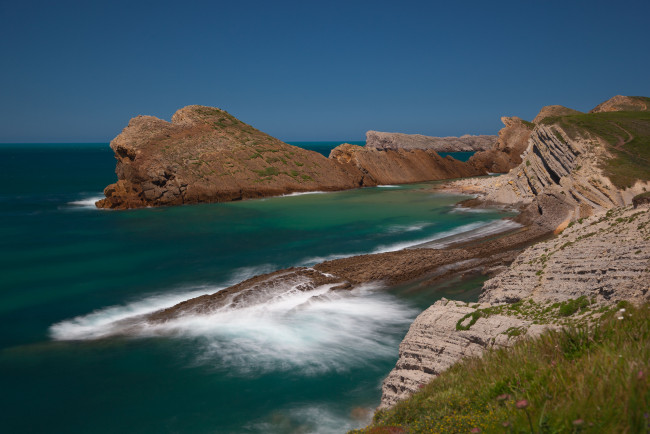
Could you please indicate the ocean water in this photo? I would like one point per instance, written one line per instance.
(294, 364)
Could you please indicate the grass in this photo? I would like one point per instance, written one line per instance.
(631, 162)
(269, 171)
(580, 379)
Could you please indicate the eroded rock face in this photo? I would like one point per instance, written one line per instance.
(605, 258)
(511, 143)
(206, 155)
(433, 344)
(467, 143)
(399, 166)
(559, 179)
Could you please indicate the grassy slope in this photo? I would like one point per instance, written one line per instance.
(631, 161)
(575, 380)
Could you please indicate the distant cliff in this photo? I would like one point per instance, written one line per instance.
(466, 143)
(207, 155)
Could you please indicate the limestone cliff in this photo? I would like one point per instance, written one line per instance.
(554, 110)
(467, 143)
(575, 166)
(603, 259)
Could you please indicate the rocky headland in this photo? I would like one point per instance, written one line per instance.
(207, 155)
(586, 177)
(467, 143)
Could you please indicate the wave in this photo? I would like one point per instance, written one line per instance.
(88, 202)
(388, 186)
(400, 229)
(302, 193)
(477, 232)
(466, 232)
(313, 331)
(319, 419)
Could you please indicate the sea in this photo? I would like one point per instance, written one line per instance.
(296, 364)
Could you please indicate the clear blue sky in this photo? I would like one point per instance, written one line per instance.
(312, 70)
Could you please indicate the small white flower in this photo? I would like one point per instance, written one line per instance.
(622, 310)
(620, 317)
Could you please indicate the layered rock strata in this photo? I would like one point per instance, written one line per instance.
(605, 258)
(467, 143)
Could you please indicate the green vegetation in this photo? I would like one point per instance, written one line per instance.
(528, 124)
(583, 379)
(269, 171)
(627, 135)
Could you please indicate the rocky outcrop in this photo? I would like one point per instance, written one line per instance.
(604, 259)
(467, 143)
(434, 343)
(620, 103)
(399, 166)
(560, 178)
(511, 143)
(206, 155)
(554, 110)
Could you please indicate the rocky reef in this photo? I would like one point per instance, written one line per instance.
(207, 155)
(467, 143)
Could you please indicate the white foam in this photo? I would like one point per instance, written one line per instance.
(400, 229)
(462, 233)
(388, 186)
(310, 419)
(87, 202)
(313, 331)
(302, 193)
(491, 228)
(471, 210)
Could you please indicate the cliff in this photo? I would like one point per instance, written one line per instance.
(575, 166)
(578, 175)
(599, 261)
(620, 103)
(207, 155)
(467, 143)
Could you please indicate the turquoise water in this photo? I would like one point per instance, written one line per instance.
(69, 271)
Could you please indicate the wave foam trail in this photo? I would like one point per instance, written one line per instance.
(87, 202)
(312, 331)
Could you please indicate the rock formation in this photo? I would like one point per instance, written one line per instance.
(399, 166)
(382, 141)
(604, 259)
(602, 255)
(554, 110)
(511, 143)
(562, 174)
(623, 103)
(206, 155)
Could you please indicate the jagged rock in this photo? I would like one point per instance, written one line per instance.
(554, 110)
(620, 103)
(467, 143)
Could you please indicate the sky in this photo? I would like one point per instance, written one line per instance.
(77, 71)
